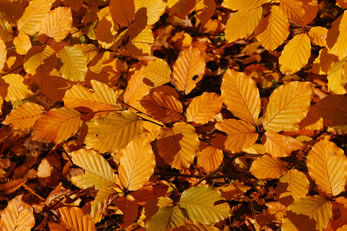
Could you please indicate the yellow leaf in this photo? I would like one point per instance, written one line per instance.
(33, 61)
(243, 5)
(295, 54)
(16, 90)
(17, 216)
(74, 66)
(3, 54)
(156, 73)
(204, 108)
(210, 158)
(274, 31)
(241, 134)
(137, 164)
(24, 116)
(155, 8)
(315, 207)
(293, 9)
(279, 145)
(199, 203)
(287, 106)
(242, 23)
(57, 125)
(337, 79)
(318, 35)
(112, 132)
(141, 42)
(75, 219)
(93, 164)
(296, 184)
(166, 218)
(188, 69)
(122, 11)
(267, 167)
(327, 165)
(241, 96)
(22, 43)
(57, 24)
(96, 205)
(163, 107)
(34, 13)
(337, 46)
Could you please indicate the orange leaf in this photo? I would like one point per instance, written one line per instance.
(241, 134)
(210, 158)
(57, 125)
(24, 116)
(243, 5)
(318, 35)
(293, 9)
(294, 183)
(76, 220)
(279, 145)
(129, 208)
(122, 11)
(17, 90)
(22, 43)
(3, 54)
(268, 167)
(188, 69)
(204, 107)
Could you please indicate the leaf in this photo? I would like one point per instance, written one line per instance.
(188, 69)
(34, 13)
(166, 218)
(57, 125)
(163, 107)
(267, 167)
(155, 8)
(295, 54)
(74, 66)
(200, 203)
(241, 134)
(178, 145)
(157, 73)
(112, 132)
(17, 216)
(293, 10)
(97, 206)
(57, 24)
(128, 205)
(287, 100)
(243, 5)
(204, 108)
(44, 169)
(22, 43)
(241, 96)
(36, 57)
(3, 54)
(337, 46)
(93, 163)
(122, 11)
(137, 164)
(296, 182)
(16, 90)
(274, 30)
(317, 208)
(141, 42)
(279, 145)
(333, 109)
(75, 220)
(326, 165)
(242, 23)
(337, 78)
(102, 99)
(24, 116)
(210, 158)
(318, 35)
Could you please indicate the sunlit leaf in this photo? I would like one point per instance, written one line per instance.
(337, 46)
(166, 218)
(327, 165)
(337, 79)
(57, 125)
(268, 167)
(36, 58)
(296, 182)
(96, 205)
(3, 54)
(75, 219)
(318, 35)
(74, 66)
(155, 8)
(156, 73)
(287, 106)
(22, 43)
(141, 42)
(243, 5)
(279, 145)
(188, 69)
(16, 90)
(200, 205)
(293, 9)
(210, 158)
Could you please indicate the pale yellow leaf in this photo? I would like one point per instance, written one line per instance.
(16, 90)
(295, 54)
(75, 219)
(279, 145)
(74, 66)
(243, 5)
(204, 108)
(112, 132)
(24, 116)
(274, 31)
(318, 35)
(57, 125)
(44, 169)
(156, 73)
(242, 23)
(241, 96)
(57, 24)
(210, 158)
(199, 203)
(267, 167)
(17, 216)
(22, 43)
(3, 54)
(287, 106)
(155, 8)
(241, 134)
(188, 69)
(166, 218)
(327, 165)
(137, 164)
(34, 13)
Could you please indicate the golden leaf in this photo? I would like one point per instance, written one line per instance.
(166, 218)
(293, 9)
(279, 145)
(57, 125)
(296, 182)
(337, 46)
(210, 158)
(3, 54)
(318, 35)
(267, 167)
(188, 69)
(75, 219)
(22, 43)
(287, 106)
(16, 90)
(36, 58)
(243, 5)
(155, 8)
(157, 73)
(337, 79)
(74, 66)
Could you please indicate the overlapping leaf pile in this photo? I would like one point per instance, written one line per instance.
(173, 115)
